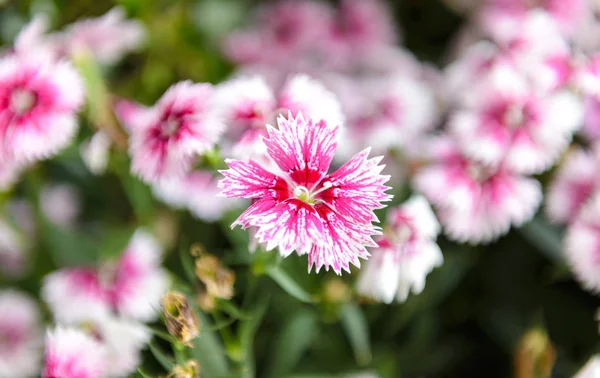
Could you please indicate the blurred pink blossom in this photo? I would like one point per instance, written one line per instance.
(475, 203)
(20, 335)
(581, 245)
(39, 100)
(71, 352)
(166, 139)
(407, 252)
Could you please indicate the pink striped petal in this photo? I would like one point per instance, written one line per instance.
(250, 180)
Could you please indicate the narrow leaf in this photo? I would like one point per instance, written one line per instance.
(357, 329)
(160, 356)
(547, 239)
(209, 352)
(289, 285)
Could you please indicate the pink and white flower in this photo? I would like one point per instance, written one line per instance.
(393, 111)
(508, 122)
(248, 104)
(407, 252)
(20, 335)
(167, 138)
(95, 152)
(475, 203)
(302, 208)
(502, 17)
(61, 204)
(39, 100)
(581, 245)
(73, 353)
(130, 287)
(196, 192)
(13, 251)
(123, 341)
(572, 185)
(108, 37)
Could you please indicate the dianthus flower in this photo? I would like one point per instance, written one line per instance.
(572, 185)
(581, 245)
(407, 252)
(71, 352)
(511, 123)
(166, 139)
(39, 99)
(302, 208)
(20, 335)
(475, 203)
(131, 286)
(248, 104)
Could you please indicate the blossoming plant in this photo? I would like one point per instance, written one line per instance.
(314, 200)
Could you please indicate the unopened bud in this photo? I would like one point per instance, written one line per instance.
(218, 279)
(336, 291)
(180, 319)
(535, 355)
(191, 369)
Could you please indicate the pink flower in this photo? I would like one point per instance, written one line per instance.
(39, 100)
(572, 185)
(302, 208)
(364, 24)
(73, 353)
(581, 245)
(123, 341)
(131, 286)
(406, 254)
(502, 15)
(191, 192)
(13, 251)
(108, 37)
(61, 204)
(507, 121)
(475, 203)
(20, 335)
(392, 111)
(138, 281)
(248, 104)
(166, 139)
(75, 295)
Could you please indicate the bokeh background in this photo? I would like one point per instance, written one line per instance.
(473, 318)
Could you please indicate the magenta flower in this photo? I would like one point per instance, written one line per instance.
(581, 245)
(475, 203)
(39, 99)
(572, 185)
(166, 139)
(73, 353)
(302, 208)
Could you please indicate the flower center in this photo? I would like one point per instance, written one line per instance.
(514, 116)
(22, 101)
(303, 194)
(170, 127)
(478, 172)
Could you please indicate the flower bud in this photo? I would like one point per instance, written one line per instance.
(535, 355)
(218, 279)
(180, 319)
(191, 369)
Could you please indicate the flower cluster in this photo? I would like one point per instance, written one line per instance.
(100, 312)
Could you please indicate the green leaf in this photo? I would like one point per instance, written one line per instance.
(67, 247)
(163, 335)
(139, 195)
(209, 352)
(160, 356)
(289, 285)
(547, 239)
(187, 262)
(294, 339)
(115, 241)
(248, 330)
(357, 329)
(143, 374)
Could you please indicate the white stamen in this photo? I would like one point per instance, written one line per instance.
(21, 101)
